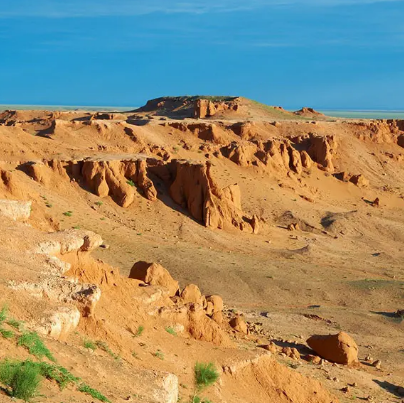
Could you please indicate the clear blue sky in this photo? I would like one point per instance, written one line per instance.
(319, 53)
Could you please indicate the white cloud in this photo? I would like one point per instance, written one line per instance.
(98, 8)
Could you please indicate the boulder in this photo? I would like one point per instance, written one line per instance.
(340, 348)
(191, 293)
(359, 180)
(154, 274)
(239, 325)
(217, 303)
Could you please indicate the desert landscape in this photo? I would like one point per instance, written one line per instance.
(201, 249)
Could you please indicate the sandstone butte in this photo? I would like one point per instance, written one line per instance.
(211, 230)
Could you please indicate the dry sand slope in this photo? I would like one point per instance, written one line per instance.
(295, 219)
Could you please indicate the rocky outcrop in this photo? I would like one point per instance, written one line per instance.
(204, 108)
(104, 177)
(204, 131)
(154, 274)
(194, 188)
(321, 150)
(340, 348)
(358, 180)
(15, 209)
(308, 112)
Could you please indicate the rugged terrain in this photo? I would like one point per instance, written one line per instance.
(294, 219)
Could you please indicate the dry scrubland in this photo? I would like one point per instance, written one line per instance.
(189, 250)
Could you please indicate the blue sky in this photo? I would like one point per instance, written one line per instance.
(319, 53)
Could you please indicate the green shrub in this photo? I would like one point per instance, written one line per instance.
(57, 373)
(68, 213)
(159, 354)
(22, 378)
(205, 375)
(92, 392)
(130, 182)
(139, 331)
(89, 344)
(7, 334)
(33, 343)
(170, 330)
(3, 314)
(104, 346)
(16, 324)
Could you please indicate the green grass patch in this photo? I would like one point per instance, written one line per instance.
(84, 388)
(7, 334)
(139, 331)
(16, 324)
(205, 375)
(99, 203)
(90, 344)
(68, 213)
(104, 347)
(130, 182)
(171, 330)
(22, 379)
(159, 354)
(3, 314)
(34, 344)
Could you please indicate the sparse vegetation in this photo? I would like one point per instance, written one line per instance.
(84, 388)
(159, 354)
(90, 345)
(104, 347)
(205, 375)
(22, 379)
(130, 182)
(139, 331)
(68, 213)
(16, 324)
(99, 203)
(171, 330)
(7, 334)
(33, 343)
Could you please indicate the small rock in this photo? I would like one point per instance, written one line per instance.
(377, 364)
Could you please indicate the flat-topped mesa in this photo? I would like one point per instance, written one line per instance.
(206, 108)
(194, 188)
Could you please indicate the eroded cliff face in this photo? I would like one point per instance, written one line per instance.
(194, 188)
(190, 185)
(205, 108)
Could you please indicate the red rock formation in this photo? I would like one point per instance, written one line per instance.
(195, 189)
(321, 150)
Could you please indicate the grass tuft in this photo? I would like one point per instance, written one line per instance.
(7, 334)
(16, 324)
(130, 182)
(205, 375)
(139, 331)
(68, 213)
(33, 343)
(21, 378)
(3, 314)
(171, 330)
(84, 388)
(104, 347)
(159, 354)
(90, 344)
